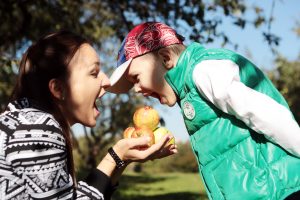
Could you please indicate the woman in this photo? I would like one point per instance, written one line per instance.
(58, 84)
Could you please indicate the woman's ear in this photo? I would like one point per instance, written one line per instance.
(56, 89)
(167, 57)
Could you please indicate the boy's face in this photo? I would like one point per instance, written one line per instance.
(147, 72)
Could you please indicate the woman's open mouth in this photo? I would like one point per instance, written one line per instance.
(97, 106)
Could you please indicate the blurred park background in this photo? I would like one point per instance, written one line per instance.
(265, 31)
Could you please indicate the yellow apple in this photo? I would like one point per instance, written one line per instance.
(146, 116)
(160, 132)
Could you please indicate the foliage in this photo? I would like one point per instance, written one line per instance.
(286, 77)
(6, 78)
(164, 186)
(25, 21)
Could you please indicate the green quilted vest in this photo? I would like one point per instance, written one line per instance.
(234, 161)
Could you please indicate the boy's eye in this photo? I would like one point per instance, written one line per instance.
(135, 79)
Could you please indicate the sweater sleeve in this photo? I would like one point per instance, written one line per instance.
(219, 82)
(100, 181)
(36, 165)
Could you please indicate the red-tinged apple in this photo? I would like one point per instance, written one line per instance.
(160, 132)
(144, 131)
(128, 132)
(146, 116)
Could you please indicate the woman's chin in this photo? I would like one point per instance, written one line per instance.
(91, 123)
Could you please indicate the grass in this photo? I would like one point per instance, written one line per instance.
(162, 186)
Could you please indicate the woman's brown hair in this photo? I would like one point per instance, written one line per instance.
(48, 59)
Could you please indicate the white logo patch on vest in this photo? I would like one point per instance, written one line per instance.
(188, 110)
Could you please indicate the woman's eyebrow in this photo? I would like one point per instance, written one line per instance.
(96, 63)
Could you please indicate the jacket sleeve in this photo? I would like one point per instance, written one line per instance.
(219, 82)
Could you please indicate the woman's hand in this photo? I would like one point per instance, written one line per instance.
(136, 149)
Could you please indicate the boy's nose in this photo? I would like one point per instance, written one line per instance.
(104, 81)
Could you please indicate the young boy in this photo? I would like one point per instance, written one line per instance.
(242, 132)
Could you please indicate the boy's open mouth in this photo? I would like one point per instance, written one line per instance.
(155, 95)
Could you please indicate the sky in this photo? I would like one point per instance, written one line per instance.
(286, 13)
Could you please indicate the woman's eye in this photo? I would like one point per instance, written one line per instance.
(95, 74)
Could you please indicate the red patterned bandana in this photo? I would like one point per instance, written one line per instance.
(147, 37)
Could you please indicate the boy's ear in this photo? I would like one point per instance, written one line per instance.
(56, 88)
(167, 57)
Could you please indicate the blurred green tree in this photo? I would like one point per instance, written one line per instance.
(286, 77)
